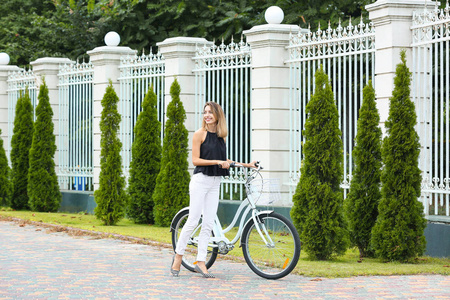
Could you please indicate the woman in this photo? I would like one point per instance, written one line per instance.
(211, 163)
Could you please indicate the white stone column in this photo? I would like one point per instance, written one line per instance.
(106, 61)
(270, 99)
(4, 71)
(392, 20)
(48, 68)
(178, 53)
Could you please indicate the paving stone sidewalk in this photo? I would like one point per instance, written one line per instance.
(36, 264)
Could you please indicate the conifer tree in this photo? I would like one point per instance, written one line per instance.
(361, 205)
(146, 161)
(5, 183)
(43, 189)
(398, 233)
(110, 197)
(318, 201)
(20, 151)
(172, 184)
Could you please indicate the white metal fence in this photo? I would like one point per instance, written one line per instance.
(137, 75)
(347, 56)
(431, 93)
(222, 75)
(75, 167)
(18, 83)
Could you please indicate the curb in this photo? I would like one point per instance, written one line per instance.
(84, 232)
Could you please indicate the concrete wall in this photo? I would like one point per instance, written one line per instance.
(438, 239)
(76, 201)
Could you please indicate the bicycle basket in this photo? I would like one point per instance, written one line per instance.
(265, 191)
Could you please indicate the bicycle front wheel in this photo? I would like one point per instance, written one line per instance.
(190, 254)
(278, 255)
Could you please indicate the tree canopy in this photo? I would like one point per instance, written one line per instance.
(30, 29)
(43, 188)
(171, 191)
(318, 201)
(398, 233)
(110, 197)
(20, 151)
(361, 205)
(5, 171)
(146, 161)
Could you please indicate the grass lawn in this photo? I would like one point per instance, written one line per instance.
(344, 266)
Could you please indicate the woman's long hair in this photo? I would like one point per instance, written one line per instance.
(218, 114)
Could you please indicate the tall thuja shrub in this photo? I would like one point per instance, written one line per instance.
(20, 151)
(318, 200)
(398, 233)
(146, 161)
(43, 189)
(5, 183)
(110, 197)
(361, 205)
(172, 184)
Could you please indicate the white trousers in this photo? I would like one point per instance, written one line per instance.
(204, 200)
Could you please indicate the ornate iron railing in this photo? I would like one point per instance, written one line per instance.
(347, 56)
(75, 147)
(18, 83)
(137, 75)
(431, 94)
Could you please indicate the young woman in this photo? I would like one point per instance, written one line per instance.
(211, 163)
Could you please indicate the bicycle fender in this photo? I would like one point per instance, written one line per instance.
(175, 217)
(251, 219)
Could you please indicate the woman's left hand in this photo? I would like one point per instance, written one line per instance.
(252, 164)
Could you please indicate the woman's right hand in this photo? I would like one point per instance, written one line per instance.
(224, 164)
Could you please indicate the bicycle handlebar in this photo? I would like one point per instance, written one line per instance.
(235, 165)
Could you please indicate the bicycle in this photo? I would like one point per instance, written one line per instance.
(269, 241)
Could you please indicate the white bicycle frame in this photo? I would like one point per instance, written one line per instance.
(246, 205)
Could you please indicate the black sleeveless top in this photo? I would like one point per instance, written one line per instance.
(213, 148)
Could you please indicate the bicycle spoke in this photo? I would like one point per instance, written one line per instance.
(276, 259)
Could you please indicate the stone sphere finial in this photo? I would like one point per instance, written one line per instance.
(274, 15)
(4, 59)
(112, 38)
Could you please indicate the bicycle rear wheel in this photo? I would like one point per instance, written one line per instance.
(190, 255)
(279, 256)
